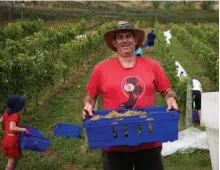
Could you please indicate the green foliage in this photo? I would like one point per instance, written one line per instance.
(35, 62)
(162, 51)
(167, 4)
(206, 5)
(156, 4)
(208, 34)
(20, 29)
(204, 54)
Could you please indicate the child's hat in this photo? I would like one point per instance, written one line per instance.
(15, 103)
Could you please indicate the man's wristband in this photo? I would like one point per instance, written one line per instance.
(170, 94)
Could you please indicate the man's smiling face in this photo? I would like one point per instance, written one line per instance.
(125, 43)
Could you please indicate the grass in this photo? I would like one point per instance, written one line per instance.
(73, 154)
(198, 160)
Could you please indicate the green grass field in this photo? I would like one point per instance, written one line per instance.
(73, 154)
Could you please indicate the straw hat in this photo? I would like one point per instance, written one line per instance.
(123, 25)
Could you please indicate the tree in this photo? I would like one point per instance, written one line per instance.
(156, 4)
(167, 4)
(206, 5)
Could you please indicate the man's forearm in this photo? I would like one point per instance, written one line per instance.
(169, 93)
(1, 120)
(90, 99)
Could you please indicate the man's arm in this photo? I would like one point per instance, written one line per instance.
(90, 99)
(169, 93)
(170, 98)
(89, 104)
(1, 119)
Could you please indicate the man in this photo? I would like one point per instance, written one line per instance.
(127, 81)
(196, 95)
(150, 39)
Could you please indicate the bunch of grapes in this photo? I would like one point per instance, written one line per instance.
(113, 114)
(117, 115)
(96, 117)
(130, 113)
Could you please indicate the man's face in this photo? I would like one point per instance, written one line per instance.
(125, 43)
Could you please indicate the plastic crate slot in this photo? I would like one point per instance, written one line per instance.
(150, 128)
(126, 130)
(115, 132)
(139, 129)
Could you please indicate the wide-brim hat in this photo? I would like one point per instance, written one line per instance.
(123, 25)
(15, 103)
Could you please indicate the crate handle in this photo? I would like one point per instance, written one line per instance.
(150, 128)
(115, 132)
(173, 110)
(139, 129)
(126, 130)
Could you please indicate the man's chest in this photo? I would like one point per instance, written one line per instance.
(137, 81)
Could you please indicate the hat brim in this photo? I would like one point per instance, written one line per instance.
(18, 107)
(109, 36)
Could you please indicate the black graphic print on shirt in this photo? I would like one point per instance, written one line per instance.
(133, 88)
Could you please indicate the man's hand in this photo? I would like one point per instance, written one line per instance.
(1, 120)
(171, 103)
(87, 108)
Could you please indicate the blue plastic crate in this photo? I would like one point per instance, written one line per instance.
(69, 130)
(157, 126)
(35, 142)
(195, 117)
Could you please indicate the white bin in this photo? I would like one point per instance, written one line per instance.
(210, 119)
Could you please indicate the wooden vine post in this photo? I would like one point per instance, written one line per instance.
(189, 104)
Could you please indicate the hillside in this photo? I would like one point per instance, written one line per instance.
(173, 11)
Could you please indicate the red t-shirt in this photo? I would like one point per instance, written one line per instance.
(7, 119)
(128, 87)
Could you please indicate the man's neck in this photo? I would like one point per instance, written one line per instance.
(127, 62)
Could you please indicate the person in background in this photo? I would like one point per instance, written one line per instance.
(139, 52)
(150, 39)
(196, 95)
(127, 81)
(11, 141)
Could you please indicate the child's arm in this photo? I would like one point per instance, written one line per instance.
(15, 128)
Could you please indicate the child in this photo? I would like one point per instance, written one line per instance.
(11, 140)
(196, 95)
(139, 52)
